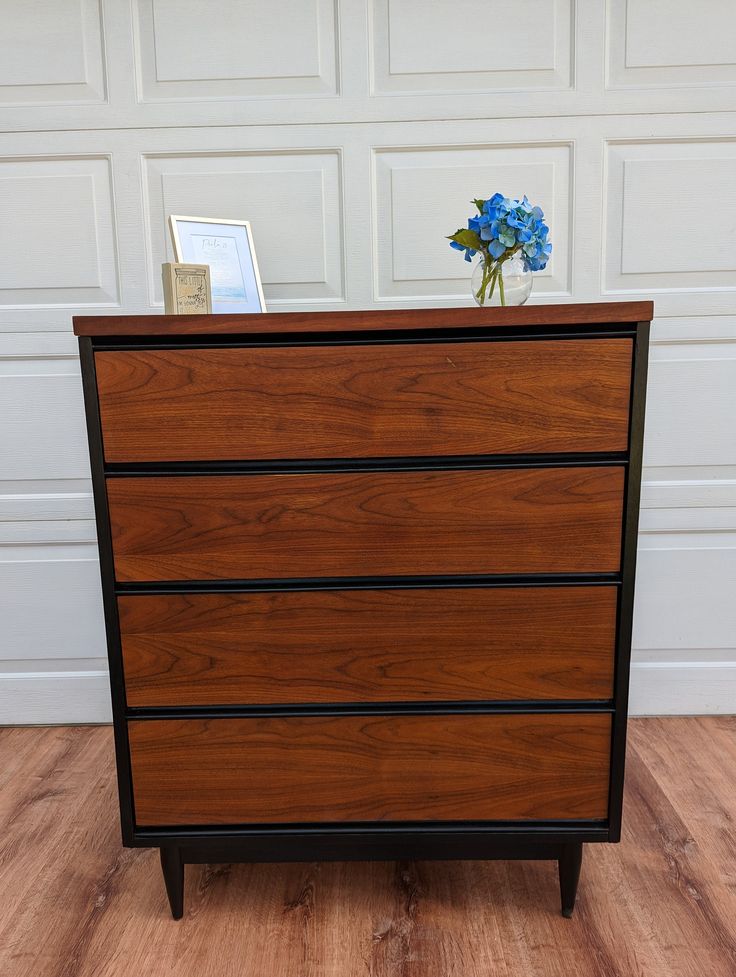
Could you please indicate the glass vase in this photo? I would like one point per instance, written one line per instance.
(506, 282)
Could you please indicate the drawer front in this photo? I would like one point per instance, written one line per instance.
(365, 768)
(500, 643)
(366, 524)
(365, 401)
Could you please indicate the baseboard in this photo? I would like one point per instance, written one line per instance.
(657, 689)
(54, 698)
(682, 688)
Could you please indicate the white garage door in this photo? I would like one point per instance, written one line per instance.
(353, 134)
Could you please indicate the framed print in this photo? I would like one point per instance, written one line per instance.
(227, 247)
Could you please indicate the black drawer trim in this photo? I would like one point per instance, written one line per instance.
(437, 708)
(382, 337)
(367, 583)
(392, 464)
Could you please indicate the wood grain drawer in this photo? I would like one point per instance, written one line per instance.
(365, 401)
(364, 768)
(500, 643)
(367, 523)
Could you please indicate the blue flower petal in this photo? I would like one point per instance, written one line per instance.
(496, 248)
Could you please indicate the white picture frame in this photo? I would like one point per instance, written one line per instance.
(227, 247)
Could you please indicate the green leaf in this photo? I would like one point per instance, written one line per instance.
(479, 205)
(467, 238)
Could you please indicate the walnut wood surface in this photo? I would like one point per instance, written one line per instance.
(660, 904)
(365, 401)
(368, 645)
(365, 768)
(279, 322)
(366, 523)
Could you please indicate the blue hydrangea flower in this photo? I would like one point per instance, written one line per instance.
(503, 227)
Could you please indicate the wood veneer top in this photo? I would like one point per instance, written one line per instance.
(373, 319)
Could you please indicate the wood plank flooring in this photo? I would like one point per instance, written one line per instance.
(73, 903)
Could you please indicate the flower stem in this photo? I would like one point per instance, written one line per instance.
(500, 285)
(485, 281)
(493, 279)
(481, 293)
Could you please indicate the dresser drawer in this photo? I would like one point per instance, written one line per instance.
(366, 524)
(501, 643)
(365, 401)
(364, 768)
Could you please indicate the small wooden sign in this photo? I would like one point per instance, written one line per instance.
(187, 289)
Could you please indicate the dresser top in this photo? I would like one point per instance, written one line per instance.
(373, 319)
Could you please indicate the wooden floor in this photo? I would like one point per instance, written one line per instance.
(73, 903)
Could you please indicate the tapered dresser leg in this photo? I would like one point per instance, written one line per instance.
(173, 869)
(569, 868)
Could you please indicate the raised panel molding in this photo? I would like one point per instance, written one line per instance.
(431, 48)
(684, 330)
(292, 199)
(669, 43)
(235, 50)
(679, 439)
(421, 196)
(51, 52)
(683, 656)
(683, 659)
(57, 247)
(42, 434)
(68, 587)
(684, 601)
(660, 187)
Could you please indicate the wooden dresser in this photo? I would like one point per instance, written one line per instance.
(368, 579)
